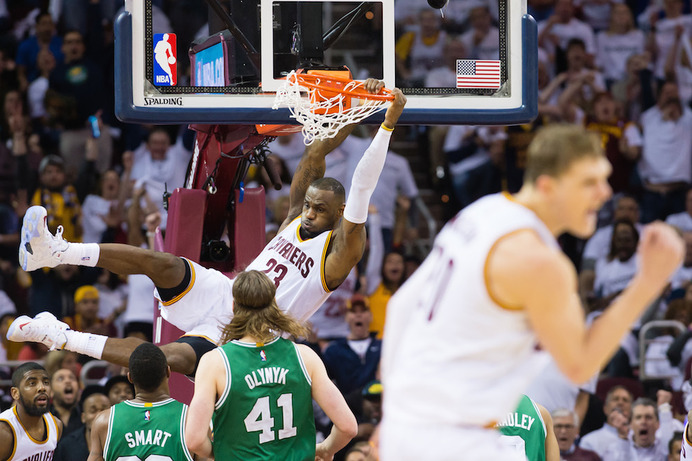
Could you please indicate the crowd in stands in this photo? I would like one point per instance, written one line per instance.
(620, 68)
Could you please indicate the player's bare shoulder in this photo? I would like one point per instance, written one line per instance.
(519, 261)
(100, 424)
(523, 248)
(6, 440)
(309, 356)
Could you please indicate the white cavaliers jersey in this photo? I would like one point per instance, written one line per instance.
(296, 266)
(452, 355)
(686, 449)
(26, 448)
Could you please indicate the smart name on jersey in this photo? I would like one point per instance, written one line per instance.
(149, 437)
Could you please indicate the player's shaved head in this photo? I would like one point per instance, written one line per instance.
(331, 184)
(22, 369)
(148, 367)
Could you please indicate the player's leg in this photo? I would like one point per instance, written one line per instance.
(118, 350)
(164, 269)
(47, 329)
(182, 355)
(185, 353)
(54, 334)
(39, 248)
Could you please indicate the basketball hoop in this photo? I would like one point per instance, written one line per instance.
(330, 103)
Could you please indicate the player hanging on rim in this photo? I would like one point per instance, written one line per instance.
(258, 388)
(318, 244)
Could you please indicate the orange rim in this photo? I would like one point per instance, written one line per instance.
(311, 81)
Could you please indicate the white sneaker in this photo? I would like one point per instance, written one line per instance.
(44, 328)
(39, 248)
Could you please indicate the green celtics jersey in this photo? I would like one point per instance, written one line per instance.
(147, 431)
(265, 411)
(524, 429)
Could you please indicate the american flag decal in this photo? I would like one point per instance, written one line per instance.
(478, 74)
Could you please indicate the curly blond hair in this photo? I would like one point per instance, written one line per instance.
(255, 312)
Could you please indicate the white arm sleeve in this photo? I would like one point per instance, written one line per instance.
(365, 177)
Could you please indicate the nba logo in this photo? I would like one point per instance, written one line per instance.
(165, 60)
(147, 415)
(263, 356)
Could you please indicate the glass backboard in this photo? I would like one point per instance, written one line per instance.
(228, 76)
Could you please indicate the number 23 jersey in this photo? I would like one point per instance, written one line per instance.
(296, 266)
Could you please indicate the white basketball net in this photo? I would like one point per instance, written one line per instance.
(313, 111)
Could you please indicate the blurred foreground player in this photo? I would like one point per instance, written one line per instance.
(493, 285)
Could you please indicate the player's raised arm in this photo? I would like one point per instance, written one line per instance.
(553, 306)
(310, 168)
(552, 450)
(349, 236)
